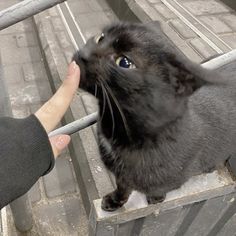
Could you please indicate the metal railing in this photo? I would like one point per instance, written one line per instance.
(23, 10)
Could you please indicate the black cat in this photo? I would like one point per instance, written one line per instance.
(162, 119)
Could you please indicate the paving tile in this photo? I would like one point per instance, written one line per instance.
(202, 47)
(13, 74)
(34, 71)
(148, 9)
(86, 6)
(26, 40)
(181, 44)
(63, 39)
(21, 55)
(230, 39)
(57, 24)
(60, 180)
(66, 217)
(93, 19)
(215, 24)
(8, 41)
(29, 93)
(202, 7)
(182, 29)
(230, 20)
(165, 11)
(20, 111)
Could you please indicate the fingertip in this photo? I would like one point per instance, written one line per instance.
(73, 68)
(58, 143)
(62, 141)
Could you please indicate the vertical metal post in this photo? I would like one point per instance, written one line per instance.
(22, 213)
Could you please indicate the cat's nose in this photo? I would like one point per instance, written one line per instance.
(84, 53)
(83, 59)
(80, 57)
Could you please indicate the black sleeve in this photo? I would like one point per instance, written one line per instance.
(25, 155)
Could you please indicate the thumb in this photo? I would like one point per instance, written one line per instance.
(58, 143)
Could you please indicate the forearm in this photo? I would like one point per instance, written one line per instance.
(25, 155)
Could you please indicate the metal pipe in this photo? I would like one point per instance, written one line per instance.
(220, 60)
(23, 10)
(76, 125)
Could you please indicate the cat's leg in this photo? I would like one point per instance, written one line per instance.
(117, 198)
(155, 198)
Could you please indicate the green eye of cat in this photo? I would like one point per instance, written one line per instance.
(125, 62)
(99, 38)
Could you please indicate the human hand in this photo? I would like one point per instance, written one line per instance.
(54, 109)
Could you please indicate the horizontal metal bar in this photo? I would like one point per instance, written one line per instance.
(76, 125)
(23, 10)
(220, 60)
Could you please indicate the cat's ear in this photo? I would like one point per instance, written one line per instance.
(184, 80)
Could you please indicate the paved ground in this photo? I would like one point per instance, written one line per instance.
(199, 28)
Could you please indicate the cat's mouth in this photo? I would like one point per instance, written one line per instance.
(87, 79)
(82, 64)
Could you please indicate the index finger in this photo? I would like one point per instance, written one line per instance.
(53, 110)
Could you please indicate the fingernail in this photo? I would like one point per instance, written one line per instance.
(73, 67)
(62, 141)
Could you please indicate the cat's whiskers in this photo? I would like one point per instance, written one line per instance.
(112, 113)
(104, 101)
(108, 89)
(96, 90)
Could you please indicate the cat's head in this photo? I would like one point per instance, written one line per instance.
(135, 67)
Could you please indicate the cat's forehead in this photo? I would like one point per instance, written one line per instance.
(126, 31)
(127, 36)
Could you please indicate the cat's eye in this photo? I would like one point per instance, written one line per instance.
(125, 62)
(99, 38)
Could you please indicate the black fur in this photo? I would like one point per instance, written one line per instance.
(158, 122)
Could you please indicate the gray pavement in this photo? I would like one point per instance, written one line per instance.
(198, 28)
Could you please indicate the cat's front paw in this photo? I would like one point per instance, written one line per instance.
(109, 203)
(155, 199)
